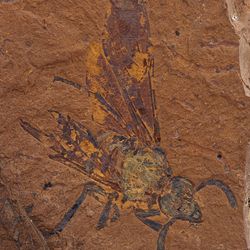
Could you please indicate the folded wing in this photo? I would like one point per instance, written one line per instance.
(119, 75)
(73, 145)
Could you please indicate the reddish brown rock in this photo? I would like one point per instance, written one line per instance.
(203, 114)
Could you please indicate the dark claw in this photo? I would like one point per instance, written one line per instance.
(228, 192)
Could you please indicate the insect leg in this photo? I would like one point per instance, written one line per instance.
(89, 187)
(106, 211)
(163, 234)
(116, 213)
(142, 216)
(226, 189)
(68, 82)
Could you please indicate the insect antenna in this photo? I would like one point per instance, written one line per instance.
(222, 186)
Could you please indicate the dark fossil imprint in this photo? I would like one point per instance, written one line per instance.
(127, 167)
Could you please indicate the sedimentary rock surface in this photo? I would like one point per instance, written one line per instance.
(201, 107)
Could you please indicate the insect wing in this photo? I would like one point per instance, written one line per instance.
(73, 145)
(119, 75)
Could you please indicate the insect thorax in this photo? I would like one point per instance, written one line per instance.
(139, 170)
(144, 172)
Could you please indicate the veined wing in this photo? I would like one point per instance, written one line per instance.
(74, 145)
(119, 75)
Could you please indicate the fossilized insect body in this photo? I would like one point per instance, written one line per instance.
(127, 167)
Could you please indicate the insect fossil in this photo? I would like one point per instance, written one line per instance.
(126, 165)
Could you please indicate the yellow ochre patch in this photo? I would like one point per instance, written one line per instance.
(139, 66)
(88, 147)
(99, 114)
(95, 50)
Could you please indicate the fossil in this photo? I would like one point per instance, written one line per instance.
(126, 165)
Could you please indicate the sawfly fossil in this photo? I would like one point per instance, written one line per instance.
(127, 167)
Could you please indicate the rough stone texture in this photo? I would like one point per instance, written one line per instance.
(202, 108)
(17, 230)
(239, 13)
